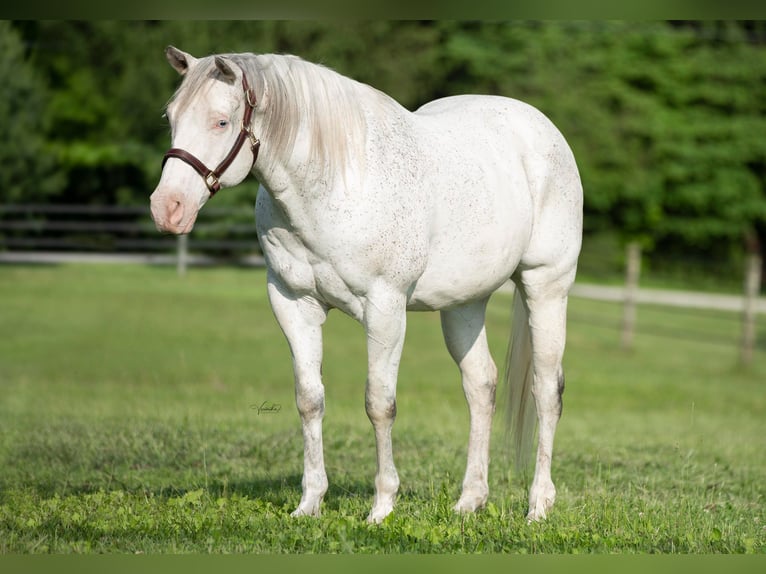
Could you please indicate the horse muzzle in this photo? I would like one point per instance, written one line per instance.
(172, 212)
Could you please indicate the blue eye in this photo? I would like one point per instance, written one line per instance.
(222, 123)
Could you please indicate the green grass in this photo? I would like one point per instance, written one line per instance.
(128, 424)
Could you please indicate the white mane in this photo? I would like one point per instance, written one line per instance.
(299, 95)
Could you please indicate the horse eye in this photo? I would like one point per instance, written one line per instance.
(222, 123)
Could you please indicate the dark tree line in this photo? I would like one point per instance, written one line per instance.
(666, 118)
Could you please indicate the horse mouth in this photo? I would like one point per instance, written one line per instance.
(175, 229)
(171, 214)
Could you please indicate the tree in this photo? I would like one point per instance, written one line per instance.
(27, 174)
(710, 142)
(102, 116)
(665, 119)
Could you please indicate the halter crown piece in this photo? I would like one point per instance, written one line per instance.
(212, 176)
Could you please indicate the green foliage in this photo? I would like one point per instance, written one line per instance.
(665, 122)
(665, 119)
(127, 426)
(27, 173)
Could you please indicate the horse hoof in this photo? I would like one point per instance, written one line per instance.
(469, 504)
(377, 516)
(305, 511)
(539, 512)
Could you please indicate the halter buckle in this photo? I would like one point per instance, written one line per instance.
(211, 180)
(254, 141)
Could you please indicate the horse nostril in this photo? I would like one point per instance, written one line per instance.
(175, 212)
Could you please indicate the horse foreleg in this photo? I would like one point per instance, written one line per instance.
(385, 323)
(301, 321)
(466, 339)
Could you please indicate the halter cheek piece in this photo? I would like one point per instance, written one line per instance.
(212, 176)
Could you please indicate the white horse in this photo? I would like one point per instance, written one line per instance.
(374, 210)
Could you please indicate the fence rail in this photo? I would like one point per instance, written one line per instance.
(46, 233)
(126, 234)
(749, 304)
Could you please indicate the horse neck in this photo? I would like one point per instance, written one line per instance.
(291, 173)
(331, 143)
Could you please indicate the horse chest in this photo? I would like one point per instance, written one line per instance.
(305, 274)
(335, 254)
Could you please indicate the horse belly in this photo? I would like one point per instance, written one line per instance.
(453, 280)
(475, 248)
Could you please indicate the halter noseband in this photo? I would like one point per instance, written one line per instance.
(212, 176)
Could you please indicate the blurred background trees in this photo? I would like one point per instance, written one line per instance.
(666, 119)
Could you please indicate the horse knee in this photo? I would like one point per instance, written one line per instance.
(310, 401)
(380, 409)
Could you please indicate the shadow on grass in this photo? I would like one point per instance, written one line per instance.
(281, 492)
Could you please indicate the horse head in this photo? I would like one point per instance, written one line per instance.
(210, 117)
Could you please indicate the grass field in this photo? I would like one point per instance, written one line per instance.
(129, 423)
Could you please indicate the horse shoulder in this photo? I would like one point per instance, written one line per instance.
(286, 255)
(324, 268)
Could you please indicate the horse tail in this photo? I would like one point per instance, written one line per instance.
(521, 414)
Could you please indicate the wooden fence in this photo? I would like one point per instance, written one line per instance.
(61, 233)
(749, 304)
(55, 233)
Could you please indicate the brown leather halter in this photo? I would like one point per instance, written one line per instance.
(212, 176)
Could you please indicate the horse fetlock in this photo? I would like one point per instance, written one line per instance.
(541, 499)
(387, 481)
(386, 488)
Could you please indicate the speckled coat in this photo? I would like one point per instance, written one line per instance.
(372, 209)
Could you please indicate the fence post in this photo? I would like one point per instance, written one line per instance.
(182, 255)
(632, 274)
(752, 289)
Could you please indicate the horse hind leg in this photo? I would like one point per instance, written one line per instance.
(546, 307)
(466, 340)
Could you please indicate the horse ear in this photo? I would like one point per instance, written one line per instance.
(226, 70)
(181, 61)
